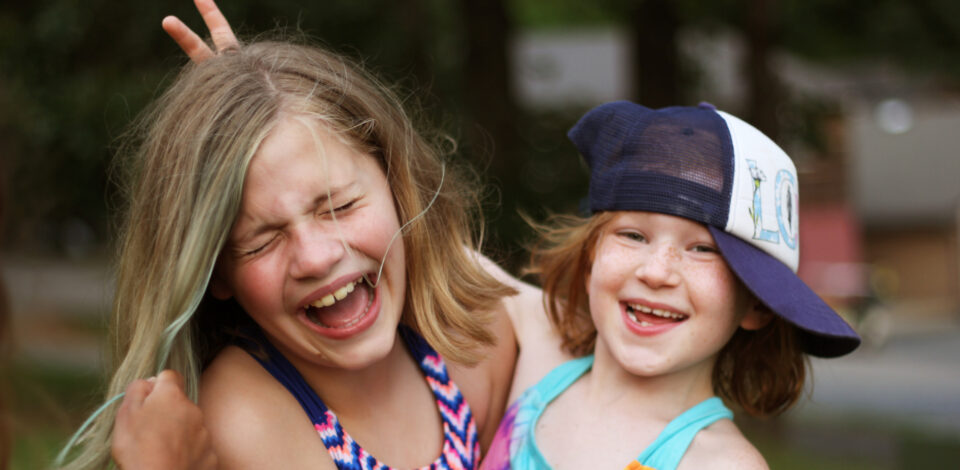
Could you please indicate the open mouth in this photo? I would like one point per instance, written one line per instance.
(344, 307)
(646, 316)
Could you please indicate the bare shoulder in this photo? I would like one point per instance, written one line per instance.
(540, 343)
(254, 422)
(722, 446)
(520, 307)
(526, 312)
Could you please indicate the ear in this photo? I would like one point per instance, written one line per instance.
(219, 288)
(757, 316)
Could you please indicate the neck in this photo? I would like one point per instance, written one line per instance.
(661, 396)
(350, 392)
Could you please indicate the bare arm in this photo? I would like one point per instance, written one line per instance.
(528, 300)
(538, 341)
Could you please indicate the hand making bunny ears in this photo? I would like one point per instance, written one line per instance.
(191, 43)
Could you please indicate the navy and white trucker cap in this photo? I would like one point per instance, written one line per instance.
(713, 168)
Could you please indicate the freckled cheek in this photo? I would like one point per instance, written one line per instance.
(718, 288)
(603, 288)
(598, 275)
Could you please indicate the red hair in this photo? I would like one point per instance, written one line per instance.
(761, 372)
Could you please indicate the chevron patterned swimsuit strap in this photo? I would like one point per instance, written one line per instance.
(461, 447)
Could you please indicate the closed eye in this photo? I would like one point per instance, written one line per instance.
(259, 248)
(346, 206)
(703, 248)
(325, 211)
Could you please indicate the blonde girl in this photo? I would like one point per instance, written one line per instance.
(284, 209)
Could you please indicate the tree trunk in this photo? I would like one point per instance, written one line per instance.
(416, 27)
(491, 129)
(656, 62)
(488, 91)
(763, 93)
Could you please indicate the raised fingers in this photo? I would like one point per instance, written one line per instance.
(220, 31)
(192, 43)
(196, 49)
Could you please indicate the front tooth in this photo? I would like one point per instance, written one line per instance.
(331, 299)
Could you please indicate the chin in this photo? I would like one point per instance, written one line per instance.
(645, 367)
(373, 347)
(641, 361)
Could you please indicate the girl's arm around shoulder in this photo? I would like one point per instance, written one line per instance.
(254, 422)
(527, 301)
(538, 341)
(721, 446)
(528, 316)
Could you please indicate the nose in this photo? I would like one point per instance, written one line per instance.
(660, 267)
(314, 252)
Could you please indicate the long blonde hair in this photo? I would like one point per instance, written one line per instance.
(189, 155)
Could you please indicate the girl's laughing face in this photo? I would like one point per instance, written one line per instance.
(304, 257)
(661, 295)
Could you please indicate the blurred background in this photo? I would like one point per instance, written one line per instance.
(864, 95)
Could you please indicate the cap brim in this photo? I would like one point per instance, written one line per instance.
(823, 332)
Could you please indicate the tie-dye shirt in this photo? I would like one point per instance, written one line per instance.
(514, 446)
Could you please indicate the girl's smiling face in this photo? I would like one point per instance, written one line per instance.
(304, 256)
(661, 295)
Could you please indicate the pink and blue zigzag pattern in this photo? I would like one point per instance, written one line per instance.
(461, 448)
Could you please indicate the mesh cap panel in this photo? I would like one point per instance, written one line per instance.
(673, 160)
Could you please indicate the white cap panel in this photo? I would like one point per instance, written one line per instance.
(764, 206)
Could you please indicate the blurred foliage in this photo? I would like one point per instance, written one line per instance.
(73, 73)
(47, 403)
(921, 33)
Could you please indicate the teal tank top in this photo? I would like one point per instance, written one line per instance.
(514, 445)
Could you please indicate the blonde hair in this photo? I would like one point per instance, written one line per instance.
(190, 153)
(762, 372)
